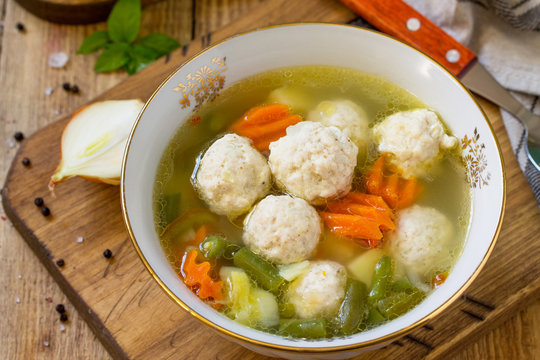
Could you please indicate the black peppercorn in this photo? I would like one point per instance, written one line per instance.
(60, 308)
(63, 317)
(107, 253)
(20, 26)
(38, 201)
(66, 86)
(19, 136)
(60, 262)
(26, 161)
(75, 89)
(45, 211)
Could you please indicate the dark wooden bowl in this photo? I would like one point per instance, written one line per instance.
(72, 11)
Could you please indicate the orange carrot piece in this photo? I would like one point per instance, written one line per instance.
(277, 126)
(396, 191)
(369, 212)
(265, 124)
(266, 113)
(375, 177)
(200, 235)
(196, 276)
(352, 226)
(439, 279)
(375, 201)
(408, 193)
(260, 115)
(390, 190)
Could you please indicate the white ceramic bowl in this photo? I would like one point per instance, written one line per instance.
(313, 44)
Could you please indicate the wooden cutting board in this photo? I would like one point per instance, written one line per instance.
(134, 318)
(72, 11)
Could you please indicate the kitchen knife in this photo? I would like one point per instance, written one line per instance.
(398, 19)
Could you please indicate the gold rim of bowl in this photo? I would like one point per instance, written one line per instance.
(327, 349)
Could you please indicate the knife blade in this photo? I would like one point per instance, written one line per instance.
(398, 19)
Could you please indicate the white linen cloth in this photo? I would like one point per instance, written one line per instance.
(505, 35)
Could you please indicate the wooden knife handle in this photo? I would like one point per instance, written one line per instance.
(398, 19)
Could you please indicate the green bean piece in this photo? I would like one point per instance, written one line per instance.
(398, 304)
(380, 280)
(402, 284)
(215, 246)
(172, 207)
(353, 307)
(264, 273)
(303, 328)
(374, 317)
(286, 310)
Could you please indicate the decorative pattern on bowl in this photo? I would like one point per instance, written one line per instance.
(204, 85)
(475, 161)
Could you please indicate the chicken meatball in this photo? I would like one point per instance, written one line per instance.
(320, 291)
(232, 175)
(414, 139)
(350, 118)
(282, 229)
(313, 162)
(422, 239)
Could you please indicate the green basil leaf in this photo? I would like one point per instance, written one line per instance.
(132, 66)
(114, 57)
(144, 54)
(125, 20)
(162, 43)
(94, 42)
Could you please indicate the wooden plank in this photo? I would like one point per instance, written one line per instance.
(121, 296)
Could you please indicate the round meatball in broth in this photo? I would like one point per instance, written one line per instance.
(282, 229)
(232, 175)
(314, 162)
(320, 291)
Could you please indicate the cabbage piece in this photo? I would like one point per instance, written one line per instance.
(292, 271)
(248, 304)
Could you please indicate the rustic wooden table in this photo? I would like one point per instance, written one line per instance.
(30, 327)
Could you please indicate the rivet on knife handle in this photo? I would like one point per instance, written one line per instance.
(398, 19)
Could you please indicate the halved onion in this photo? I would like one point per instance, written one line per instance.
(94, 139)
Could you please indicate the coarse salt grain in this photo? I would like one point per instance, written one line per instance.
(62, 327)
(80, 239)
(45, 343)
(58, 59)
(17, 300)
(10, 142)
(48, 91)
(56, 112)
(19, 276)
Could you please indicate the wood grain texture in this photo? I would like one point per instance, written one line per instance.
(72, 11)
(90, 276)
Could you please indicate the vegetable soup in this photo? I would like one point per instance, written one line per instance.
(312, 202)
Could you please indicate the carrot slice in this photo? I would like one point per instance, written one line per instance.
(374, 180)
(439, 279)
(352, 226)
(266, 113)
(409, 192)
(390, 190)
(375, 201)
(369, 212)
(395, 190)
(196, 276)
(265, 124)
